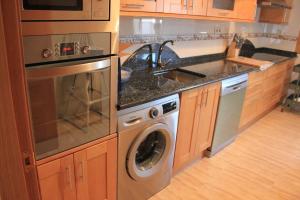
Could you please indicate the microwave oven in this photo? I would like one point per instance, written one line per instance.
(58, 10)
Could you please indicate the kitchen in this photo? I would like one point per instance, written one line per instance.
(162, 99)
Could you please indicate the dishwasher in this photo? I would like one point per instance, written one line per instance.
(229, 113)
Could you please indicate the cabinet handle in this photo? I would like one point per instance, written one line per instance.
(206, 98)
(133, 6)
(80, 171)
(223, 14)
(68, 177)
(184, 4)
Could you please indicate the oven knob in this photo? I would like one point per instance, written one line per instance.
(153, 113)
(46, 53)
(85, 49)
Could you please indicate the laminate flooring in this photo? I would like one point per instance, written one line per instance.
(262, 164)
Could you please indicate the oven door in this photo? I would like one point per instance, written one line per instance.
(70, 105)
(36, 10)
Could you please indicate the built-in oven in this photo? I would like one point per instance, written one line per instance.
(69, 90)
(37, 10)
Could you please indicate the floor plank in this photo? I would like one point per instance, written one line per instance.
(262, 164)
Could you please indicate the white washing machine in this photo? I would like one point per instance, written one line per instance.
(146, 143)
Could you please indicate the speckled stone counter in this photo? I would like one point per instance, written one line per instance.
(144, 86)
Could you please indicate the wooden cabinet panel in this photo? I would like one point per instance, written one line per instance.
(197, 116)
(197, 7)
(246, 9)
(207, 117)
(96, 169)
(186, 138)
(142, 5)
(176, 6)
(90, 174)
(57, 179)
(265, 90)
(221, 8)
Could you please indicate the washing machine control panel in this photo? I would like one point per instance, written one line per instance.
(168, 107)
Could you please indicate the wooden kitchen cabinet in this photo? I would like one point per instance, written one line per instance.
(197, 7)
(196, 123)
(265, 90)
(176, 6)
(90, 174)
(142, 5)
(246, 9)
(221, 8)
(205, 120)
(57, 180)
(95, 170)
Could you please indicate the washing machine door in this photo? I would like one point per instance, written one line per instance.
(149, 152)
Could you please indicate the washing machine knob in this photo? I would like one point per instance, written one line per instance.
(154, 113)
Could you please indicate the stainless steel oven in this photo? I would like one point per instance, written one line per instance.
(69, 90)
(65, 10)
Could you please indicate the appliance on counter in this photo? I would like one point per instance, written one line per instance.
(68, 79)
(146, 144)
(36, 10)
(229, 113)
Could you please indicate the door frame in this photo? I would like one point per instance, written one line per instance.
(20, 177)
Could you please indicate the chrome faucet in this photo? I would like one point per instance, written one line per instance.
(161, 48)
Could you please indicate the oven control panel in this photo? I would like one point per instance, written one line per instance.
(39, 49)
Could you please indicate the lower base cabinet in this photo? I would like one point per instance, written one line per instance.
(90, 174)
(197, 118)
(266, 89)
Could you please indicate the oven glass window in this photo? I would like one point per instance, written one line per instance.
(75, 5)
(68, 111)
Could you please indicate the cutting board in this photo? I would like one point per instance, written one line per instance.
(250, 61)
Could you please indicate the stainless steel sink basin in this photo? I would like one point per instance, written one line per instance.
(180, 76)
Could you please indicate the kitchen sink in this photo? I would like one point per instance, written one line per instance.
(180, 76)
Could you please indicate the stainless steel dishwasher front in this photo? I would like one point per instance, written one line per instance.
(229, 113)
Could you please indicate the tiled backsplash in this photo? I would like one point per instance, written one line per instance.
(137, 39)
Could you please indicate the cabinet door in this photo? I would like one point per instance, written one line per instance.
(176, 6)
(222, 8)
(57, 179)
(185, 144)
(140, 5)
(96, 171)
(197, 7)
(205, 121)
(246, 9)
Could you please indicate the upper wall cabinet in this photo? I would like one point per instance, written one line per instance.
(176, 6)
(197, 7)
(231, 10)
(142, 5)
(222, 8)
(276, 13)
(246, 9)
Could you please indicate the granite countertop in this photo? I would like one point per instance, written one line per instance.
(144, 86)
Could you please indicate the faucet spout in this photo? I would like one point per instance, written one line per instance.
(161, 48)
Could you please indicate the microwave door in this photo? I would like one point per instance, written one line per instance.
(48, 10)
(69, 105)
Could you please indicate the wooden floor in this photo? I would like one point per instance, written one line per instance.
(263, 163)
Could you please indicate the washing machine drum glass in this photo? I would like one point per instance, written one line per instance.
(150, 152)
